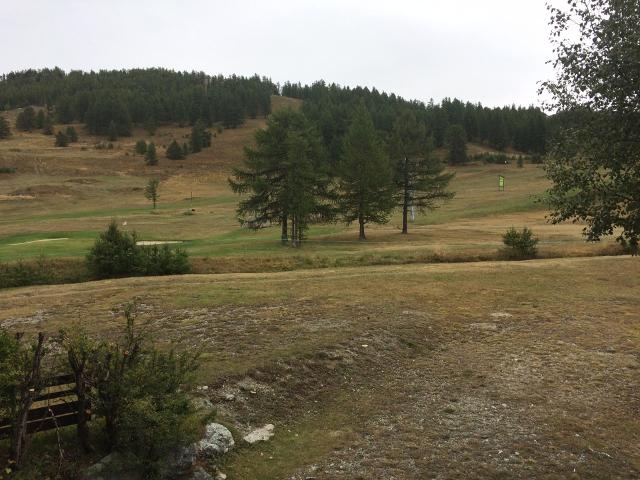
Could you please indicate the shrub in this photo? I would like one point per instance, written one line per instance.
(7, 170)
(141, 394)
(163, 260)
(522, 244)
(72, 134)
(141, 147)
(26, 119)
(61, 140)
(5, 129)
(150, 157)
(174, 151)
(116, 254)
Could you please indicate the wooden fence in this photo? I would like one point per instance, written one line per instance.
(56, 405)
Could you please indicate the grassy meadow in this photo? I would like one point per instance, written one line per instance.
(390, 366)
(59, 199)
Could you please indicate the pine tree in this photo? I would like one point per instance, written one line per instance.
(151, 191)
(174, 151)
(200, 137)
(26, 119)
(61, 140)
(141, 147)
(457, 145)
(366, 176)
(150, 156)
(285, 177)
(72, 134)
(39, 122)
(5, 129)
(420, 181)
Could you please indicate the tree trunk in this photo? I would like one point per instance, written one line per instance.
(284, 238)
(405, 200)
(361, 223)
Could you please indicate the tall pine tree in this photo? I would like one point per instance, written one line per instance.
(420, 181)
(366, 176)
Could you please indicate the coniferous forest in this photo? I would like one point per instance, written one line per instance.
(122, 98)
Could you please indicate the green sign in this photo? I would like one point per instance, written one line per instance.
(501, 182)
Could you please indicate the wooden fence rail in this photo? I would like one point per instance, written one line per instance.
(53, 407)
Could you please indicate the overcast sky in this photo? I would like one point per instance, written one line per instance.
(491, 51)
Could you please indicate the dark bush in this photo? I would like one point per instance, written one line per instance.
(522, 244)
(116, 254)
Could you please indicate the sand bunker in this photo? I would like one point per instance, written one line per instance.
(157, 242)
(39, 241)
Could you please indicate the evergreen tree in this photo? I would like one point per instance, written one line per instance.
(420, 181)
(61, 140)
(26, 119)
(72, 134)
(200, 137)
(366, 176)
(5, 129)
(141, 147)
(174, 151)
(151, 191)
(457, 145)
(150, 156)
(39, 122)
(285, 176)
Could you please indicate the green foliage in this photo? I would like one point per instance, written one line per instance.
(331, 106)
(71, 133)
(116, 254)
(41, 271)
(150, 126)
(61, 140)
(366, 176)
(138, 96)
(26, 119)
(150, 156)
(151, 191)
(5, 129)
(39, 122)
(200, 137)
(457, 145)
(11, 373)
(175, 151)
(285, 176)
(7, 170)
(522, 244)
(140, 391)
(419, 179)
(593, 159)
(141, 147)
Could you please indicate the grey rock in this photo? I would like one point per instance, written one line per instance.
(260, 434)
(217, 441)
(200, 474)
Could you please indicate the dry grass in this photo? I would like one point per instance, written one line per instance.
(475, 370)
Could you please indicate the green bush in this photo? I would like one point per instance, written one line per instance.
(164, 260)
(116, 254)
(141, 392)
(522, 244)
(7, 170)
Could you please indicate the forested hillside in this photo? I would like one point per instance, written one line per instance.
(139, 96)
(330, 107)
